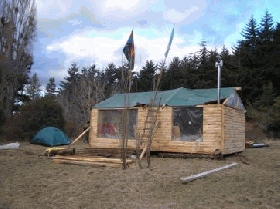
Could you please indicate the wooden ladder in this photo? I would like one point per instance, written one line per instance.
(146, 135)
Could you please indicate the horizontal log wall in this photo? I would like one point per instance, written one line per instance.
(162, 140)
(95, 142)
(233, 130)
(223, 129)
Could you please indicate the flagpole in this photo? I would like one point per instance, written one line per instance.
(165, 55)
(129, 52)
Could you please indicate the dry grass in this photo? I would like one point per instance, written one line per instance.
(28, 180)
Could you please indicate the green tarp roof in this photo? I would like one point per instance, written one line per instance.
(177, 97)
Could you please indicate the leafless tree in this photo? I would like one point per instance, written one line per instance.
(80, 91)
(18, 20)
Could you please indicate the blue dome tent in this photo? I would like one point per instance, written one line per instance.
(50, 136)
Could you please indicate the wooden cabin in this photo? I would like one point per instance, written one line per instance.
(190, 121)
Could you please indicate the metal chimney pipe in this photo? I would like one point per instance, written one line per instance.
(219, 65)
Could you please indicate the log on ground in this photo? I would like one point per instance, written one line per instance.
(201, 175)
(86, 163)
(95, 159)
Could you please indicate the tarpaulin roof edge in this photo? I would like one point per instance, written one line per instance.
(176, 97)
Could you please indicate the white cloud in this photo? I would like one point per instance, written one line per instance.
(53, 8)
(102, 50)
(75, 22)
(59, 22)
(120, 9)
(109, 5)
(175, 16)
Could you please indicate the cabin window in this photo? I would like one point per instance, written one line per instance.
(110, 123)
(187, 124)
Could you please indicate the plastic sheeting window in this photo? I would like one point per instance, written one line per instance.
(110, 123)
(187, 124)
(235, 102)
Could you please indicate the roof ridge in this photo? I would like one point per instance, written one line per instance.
(175, 92)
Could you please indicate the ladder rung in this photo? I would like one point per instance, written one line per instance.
(145, 135)
(150, 121)
(147, 128)
(153, 110)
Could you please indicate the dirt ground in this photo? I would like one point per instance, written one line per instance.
(28, 180)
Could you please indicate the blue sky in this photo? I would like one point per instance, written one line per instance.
(95, 31)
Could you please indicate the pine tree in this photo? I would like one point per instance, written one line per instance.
(230, 70)
(203, 54)
(266, 28)
(173, 77)
(206, 75)
(248, 47)
(51, 86)
(70, 80)
(274, 61)
(145, 81)
(250, 32)
(34, 87)
(113, 77)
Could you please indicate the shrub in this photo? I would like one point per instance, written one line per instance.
(72, 129)
(41, 113)
(13, 129)
(2, 120)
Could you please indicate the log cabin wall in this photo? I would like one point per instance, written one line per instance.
(233, 130)
(212, 132)
(98, 142)
(93, 127)
(223, 129)
(212, 128)
(163, 134)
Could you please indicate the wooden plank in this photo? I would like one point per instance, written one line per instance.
(80, 136)
(233, 136)
(86, 163)
(108, 152)
(99, 159)
(212, 129)
(203, 174)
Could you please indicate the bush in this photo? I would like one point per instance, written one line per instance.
(2, 120)
(41, 113)
(266, 116)
(72, 130)
(13, 129)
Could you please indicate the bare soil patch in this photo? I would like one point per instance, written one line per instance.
(28, 180)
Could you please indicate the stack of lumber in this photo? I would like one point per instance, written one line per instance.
(59, 151)
(182, 155)
(90, 161)
(108, 152)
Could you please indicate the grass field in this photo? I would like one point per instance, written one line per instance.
(28, 180)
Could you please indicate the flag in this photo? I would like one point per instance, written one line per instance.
(169, 44)
(129, 52)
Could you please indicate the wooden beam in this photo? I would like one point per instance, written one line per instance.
(95, 159)
(80, 136)
(201, 175)
(87, 163)
(59, 151)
